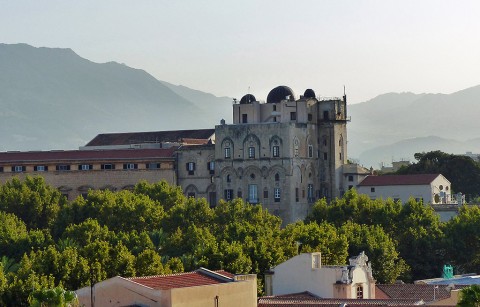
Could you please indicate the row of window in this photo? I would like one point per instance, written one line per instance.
(81, 167)
(251, 152)
(252, 194)
(191, 166)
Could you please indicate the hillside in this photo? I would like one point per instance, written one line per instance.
(396, 125)
(52, 98)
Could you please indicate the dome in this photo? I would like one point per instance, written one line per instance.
(309, 93)
(249, 98)
(280, 93)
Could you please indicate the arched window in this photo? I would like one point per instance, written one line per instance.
(229, 178)
(277, 177)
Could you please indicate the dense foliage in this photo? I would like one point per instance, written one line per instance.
(47, 242)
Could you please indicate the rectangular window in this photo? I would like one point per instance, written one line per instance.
(244, 118)
(228, 194)
(152, 165)
(63, 167)
(211, 167)
(1, 169)
(276, 194)
(350, 178)
(310, 151)
(296, 194)
(252, 194)
(265, 193)
(18, 168)
(239, 194)
(107, 166)
(227, 153)
(310, 195)
(191, 168)
(130, 166)
(293, 115)
(340, 156)
(372, 190)
(359, 292)
(310, 117)
(276, 151)
(325, 115)
(325, 156)
(40, 168)
(85, 167)
(251, 152)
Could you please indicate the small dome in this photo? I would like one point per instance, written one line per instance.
(249, 98)
(309, 93)
(280, 93)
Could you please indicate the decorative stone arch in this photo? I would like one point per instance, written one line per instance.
(240, 172)
(108, 187)
(227, 143)
(264, 172)
(64, 189)
(251, 140)
(297, 173)
(85, 188)
(128, 187)
(296, 147)
(256, 171)
(275, 140)
(191, 188)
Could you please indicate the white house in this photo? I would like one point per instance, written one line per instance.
(429, 188)
(305, 272)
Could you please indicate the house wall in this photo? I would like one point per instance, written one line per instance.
(74, 182)
(404, 192)
(234, 294)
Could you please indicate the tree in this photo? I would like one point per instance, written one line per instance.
(387, 265)
(470, 296)
(32, 200)
(163, 193)
(56, 297)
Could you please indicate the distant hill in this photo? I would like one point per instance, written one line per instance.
(52, 98)
(396, 125)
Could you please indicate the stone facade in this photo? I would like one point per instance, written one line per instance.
(284, 154)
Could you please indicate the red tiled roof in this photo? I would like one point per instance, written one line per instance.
(412, 291)
(182, 280)
(417, 179)
(84, 155)
(128, 138)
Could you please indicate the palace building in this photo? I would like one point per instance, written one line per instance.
(284, 153)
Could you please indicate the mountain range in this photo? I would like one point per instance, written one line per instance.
(51, 98)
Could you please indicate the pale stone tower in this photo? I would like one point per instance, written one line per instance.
(284, 153)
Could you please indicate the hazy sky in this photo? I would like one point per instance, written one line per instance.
(226, 47)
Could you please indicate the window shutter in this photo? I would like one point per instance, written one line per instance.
(124, 166)
(187, 167)
(113, 166)
(147, 166)
(46, 168)
(24, 168)
(57, 167)
(13, 168)
(135, 166)
(102, 166)
(35, 168)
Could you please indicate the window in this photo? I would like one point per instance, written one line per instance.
(293, 115)
(325, 156)
(191, 194)
(211, 167)
(276, 151)
(277, 177)
(276, 194)
(310, 193)
(340, 156)
(359, 291)
(251, 152)
(152, 165)
(310, 151)
(227, 153)
(252, 194)
(228, 194)
(296, 194)
(130, 166)
(317, 261)
(107, 166)
(244, 118)
(63, 167)
(239, 194)
(40, 168)
(229, 178)
(1, 169)
(85, 167)
(190, 168)
(350, 178)
(212, 199)
(310, 117)
(18, 168)
(372, 190)
(325, 115)
(274, 108)
(265, 193)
